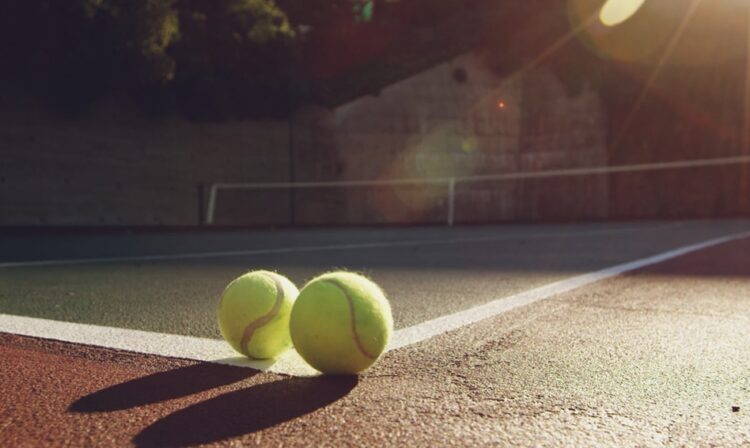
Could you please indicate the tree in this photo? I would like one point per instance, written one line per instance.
(233, 58)
(143, 31)
(72, 52)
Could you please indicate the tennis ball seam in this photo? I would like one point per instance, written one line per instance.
(250, 329)
(350, 302)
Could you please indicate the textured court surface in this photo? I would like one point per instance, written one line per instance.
(657, 356)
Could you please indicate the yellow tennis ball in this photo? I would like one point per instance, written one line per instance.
(254, 314)
(341, 323)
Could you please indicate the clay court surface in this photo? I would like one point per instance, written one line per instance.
(620, 334)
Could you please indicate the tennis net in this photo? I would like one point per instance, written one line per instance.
(698, 188)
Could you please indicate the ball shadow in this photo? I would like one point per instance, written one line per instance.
(160, 387)
(245, 411)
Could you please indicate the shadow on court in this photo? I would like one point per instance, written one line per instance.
(245, 411)
(161, 387)
(729, 260)
(530, 249)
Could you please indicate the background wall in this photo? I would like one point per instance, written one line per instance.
(119, 167)
(455, 120)
(694, 112)
(116, 167)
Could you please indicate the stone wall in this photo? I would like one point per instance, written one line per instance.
(561, 132)
(116, 167)
(455, 120)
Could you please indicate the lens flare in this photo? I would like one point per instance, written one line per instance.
(614, 12)
(642, 37)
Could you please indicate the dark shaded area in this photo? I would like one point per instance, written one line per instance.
(221, 59)
(71, 53)
(234, 59)
(245, 411)
(729, 260)
(160, 387)
(187, 55)
(561, 254)
(564, 248)
(343, 60)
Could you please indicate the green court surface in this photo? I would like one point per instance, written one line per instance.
(426, 273)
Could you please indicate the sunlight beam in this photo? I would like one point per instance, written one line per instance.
(657, 71)
(553, 48)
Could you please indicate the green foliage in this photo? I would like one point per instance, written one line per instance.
(72, 52)
(142, 30)
(221, 58)
(258, 21)
(232, 58)
(364, 10)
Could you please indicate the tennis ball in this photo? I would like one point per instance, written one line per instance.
(341, 323)
(254, 314)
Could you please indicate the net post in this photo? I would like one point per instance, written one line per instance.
(211, 204)
(451, 200)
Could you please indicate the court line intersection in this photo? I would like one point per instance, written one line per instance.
(217, 351)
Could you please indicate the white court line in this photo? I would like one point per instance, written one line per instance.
(333, 247)
(435, 327)
(217, 351)
(146, 342)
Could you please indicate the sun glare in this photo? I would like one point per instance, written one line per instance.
(614, 12)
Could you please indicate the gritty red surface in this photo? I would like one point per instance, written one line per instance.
(460, 386)
(61, 394)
